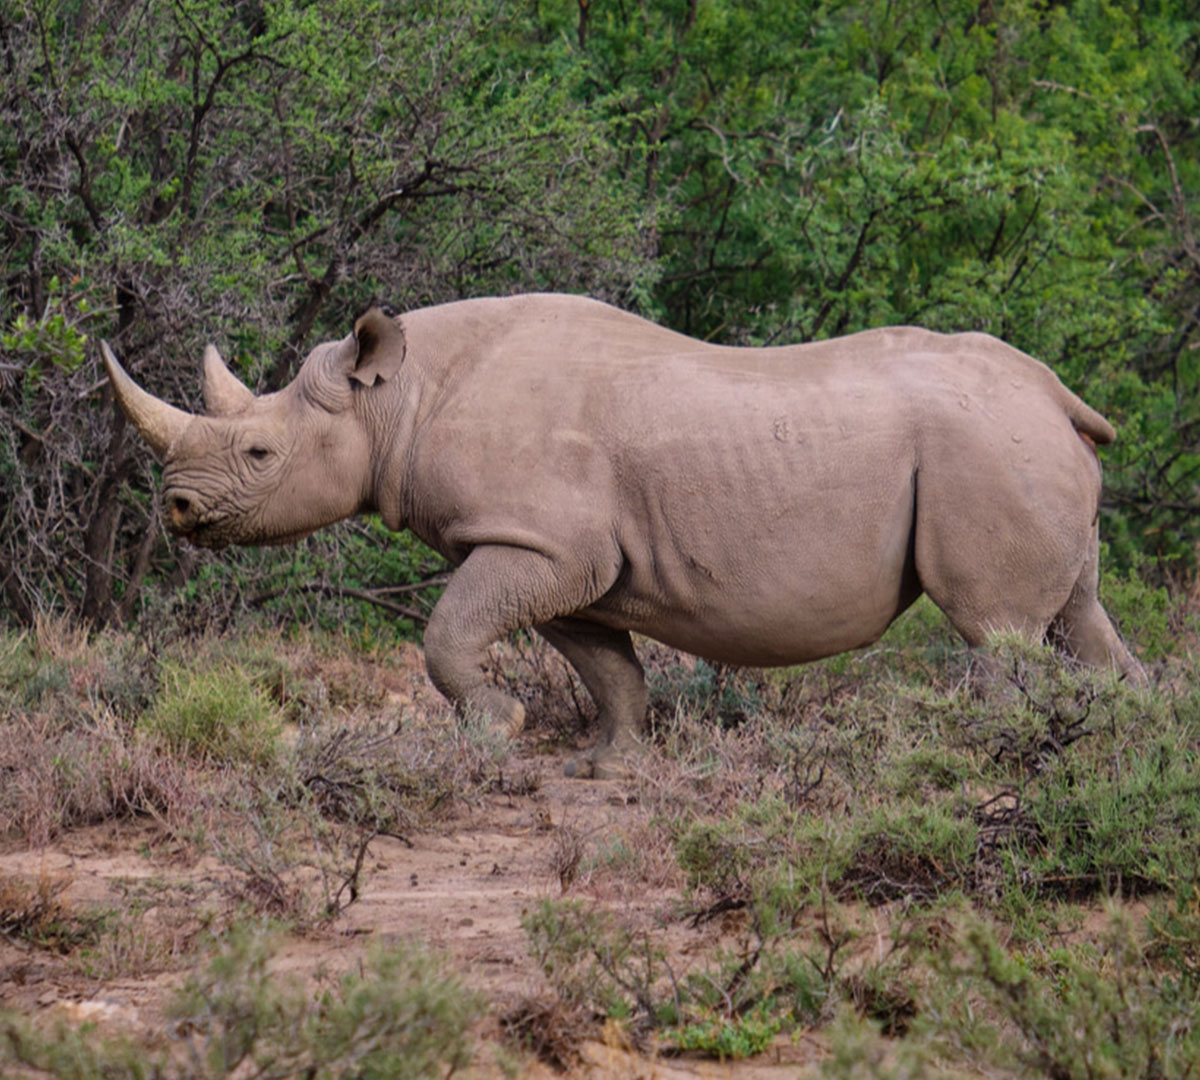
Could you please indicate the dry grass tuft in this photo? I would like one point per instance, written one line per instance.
(550, 1029)
(566, 855)
(33, 912)
(56, 778)
(29, 909)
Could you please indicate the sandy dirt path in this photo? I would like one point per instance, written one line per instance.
(461, 890)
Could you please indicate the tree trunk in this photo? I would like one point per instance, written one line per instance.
(98, 541)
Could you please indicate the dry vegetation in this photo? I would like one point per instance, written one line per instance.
(233, 856)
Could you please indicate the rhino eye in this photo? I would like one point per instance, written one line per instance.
(259, 452)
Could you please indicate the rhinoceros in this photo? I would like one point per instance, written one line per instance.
(591, 474)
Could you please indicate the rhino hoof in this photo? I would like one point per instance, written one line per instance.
(501, 715)
(611, 767)
(578, 768)
(606, 764)
(516, 720)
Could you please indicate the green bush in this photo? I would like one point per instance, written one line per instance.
(1141, 612)
(215, 714)
(1104, 1013)
(1125, 824)
(398, 1016)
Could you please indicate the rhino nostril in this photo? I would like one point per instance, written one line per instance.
(179, 508)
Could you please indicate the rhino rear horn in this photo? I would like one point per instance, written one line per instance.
(224, 393)
(381, 346)
(160, 424)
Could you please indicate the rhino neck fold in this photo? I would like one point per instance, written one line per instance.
(389, 412)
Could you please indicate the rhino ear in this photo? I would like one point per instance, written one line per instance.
(381, 346)
(224, 392)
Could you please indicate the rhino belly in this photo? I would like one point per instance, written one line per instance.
(763, 592)
(787, 628)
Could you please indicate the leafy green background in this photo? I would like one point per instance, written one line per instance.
(754, 172)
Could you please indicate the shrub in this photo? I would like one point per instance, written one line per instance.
(59, 778)
(1092, 1014)
(35, 912)
(399, 1016)
(593, 960)
(57, 669)
(218, 715)
(910, 852)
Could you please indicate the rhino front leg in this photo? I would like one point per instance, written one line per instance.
(613, 676)
(495, 591)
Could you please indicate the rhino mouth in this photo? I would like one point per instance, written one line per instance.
(204, 535)
(215, 535)
(196, 520)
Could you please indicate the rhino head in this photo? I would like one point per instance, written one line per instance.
(273, 468)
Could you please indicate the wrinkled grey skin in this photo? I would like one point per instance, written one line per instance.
(591, 474)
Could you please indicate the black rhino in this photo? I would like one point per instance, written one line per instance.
(591, 474)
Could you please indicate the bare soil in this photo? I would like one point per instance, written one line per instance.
(461, 890)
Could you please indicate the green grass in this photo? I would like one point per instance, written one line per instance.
(216, 714)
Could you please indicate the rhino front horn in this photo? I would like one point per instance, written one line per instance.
(159, 423)
(224, 393)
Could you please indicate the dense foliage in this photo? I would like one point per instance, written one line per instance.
(761, 171)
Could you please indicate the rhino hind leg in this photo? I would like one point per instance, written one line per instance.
(609, 668)
(495, 591)
(1083, 628)
(1042, 602)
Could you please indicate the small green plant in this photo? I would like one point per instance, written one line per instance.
(53, 338)
(217, 714)
(724, 1037)
(591, 959)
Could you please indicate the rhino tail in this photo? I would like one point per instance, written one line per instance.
(1092, 427)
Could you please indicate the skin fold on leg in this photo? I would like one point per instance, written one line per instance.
(495, 591)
